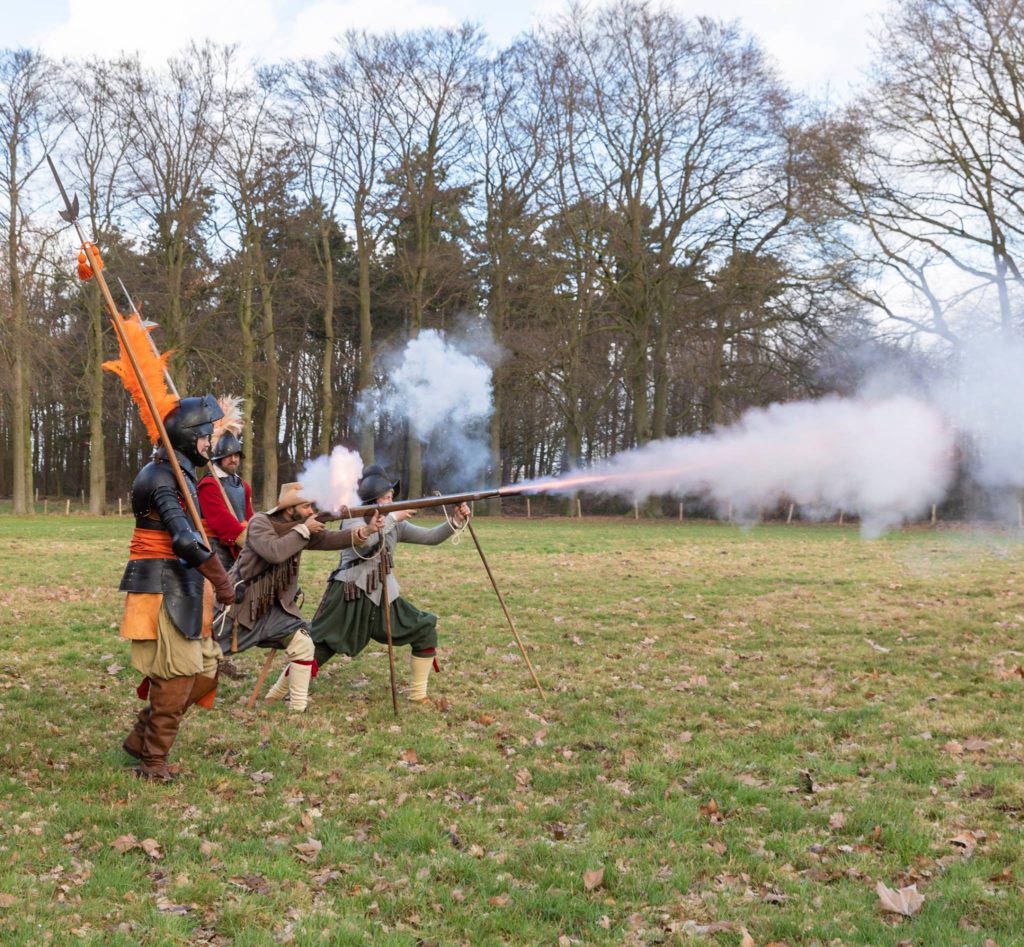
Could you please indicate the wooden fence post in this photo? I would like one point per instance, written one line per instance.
(789, 515)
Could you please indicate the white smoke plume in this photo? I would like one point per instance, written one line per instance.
(331, 481)
(883, 459)
(983, 396)
(441, 387)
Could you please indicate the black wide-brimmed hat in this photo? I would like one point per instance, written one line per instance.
(375, 482)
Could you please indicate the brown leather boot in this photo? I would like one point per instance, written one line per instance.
(201, 686)
(133, 742)
(168, 700)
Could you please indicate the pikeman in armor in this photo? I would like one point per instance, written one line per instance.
(164, 617)
(269, 615)
(350, 613)
(226, 498)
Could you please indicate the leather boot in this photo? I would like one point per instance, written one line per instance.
(168, 700)
(201, 686)
(133, 742)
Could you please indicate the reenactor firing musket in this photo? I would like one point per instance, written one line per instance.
(451, 499)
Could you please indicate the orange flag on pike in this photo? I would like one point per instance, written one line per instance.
(153, 367)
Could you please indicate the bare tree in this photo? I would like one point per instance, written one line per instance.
(342, 117)
(174, 122)
(665, 121)
(96, 152)
(934, 172)
(428, 84)
(27, 128)
(517, 101)
(255, 170)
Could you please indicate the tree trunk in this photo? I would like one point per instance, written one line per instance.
(248, 358)
(97, 448)
(21, 435)
(271, 396)
(415, 448)
(365, 380)
(638, 384)
(327, 392)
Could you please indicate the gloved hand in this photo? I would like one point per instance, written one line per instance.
(222, 588)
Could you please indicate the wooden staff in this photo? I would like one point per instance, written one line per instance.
(386, 606)
(504, 607)
(264, 671)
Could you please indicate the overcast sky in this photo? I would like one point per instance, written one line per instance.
(820, 48)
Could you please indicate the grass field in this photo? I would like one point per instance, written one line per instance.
(744, 732)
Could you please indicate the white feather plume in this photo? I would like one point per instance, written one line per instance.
(232, 420)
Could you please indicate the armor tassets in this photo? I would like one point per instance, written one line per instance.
(157, 506)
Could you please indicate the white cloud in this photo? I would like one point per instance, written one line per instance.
(156, 31)
(315, 28)
(264, 29)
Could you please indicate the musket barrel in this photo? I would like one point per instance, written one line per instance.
(416, 503)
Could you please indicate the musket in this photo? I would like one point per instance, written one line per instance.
(70, 214)
(416, 503)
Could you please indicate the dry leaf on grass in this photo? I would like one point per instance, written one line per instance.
(905, 901)
(124, 843)
(593, 879)
(7, 900)
(967, 842)
(409, 756)
(499, 900)
(169, 907)
(308, 850)
(151, 847)
(523, 779)
(837, 820)
(711, 813)
(747, 941)
(976, 745)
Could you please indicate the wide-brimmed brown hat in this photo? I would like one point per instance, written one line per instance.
(292, 494)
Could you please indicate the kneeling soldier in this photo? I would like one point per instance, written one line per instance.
(269, 614)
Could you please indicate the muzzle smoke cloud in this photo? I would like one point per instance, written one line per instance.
(441, 387)
(331, 481)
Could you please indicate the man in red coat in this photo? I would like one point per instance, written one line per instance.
(226, 499)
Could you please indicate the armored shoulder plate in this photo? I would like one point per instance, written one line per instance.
(153, 476)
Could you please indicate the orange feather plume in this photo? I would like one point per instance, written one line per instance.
(152, 366)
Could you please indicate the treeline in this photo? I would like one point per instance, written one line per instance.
(655, 231)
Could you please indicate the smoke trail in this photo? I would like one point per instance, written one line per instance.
(442, 388)
(331, 480)
(884, 459)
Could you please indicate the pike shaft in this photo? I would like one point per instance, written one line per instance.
(116, 319)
